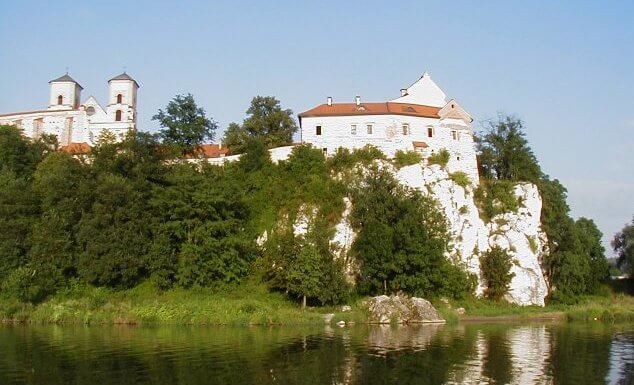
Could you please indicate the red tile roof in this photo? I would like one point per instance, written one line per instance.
(209, 151)
(389, 108)
(419, 144)
(76, 148)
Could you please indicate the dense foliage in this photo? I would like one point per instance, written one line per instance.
(574, 263)
(495, 267)
(401, 242)
(265, 121)
(623, 244)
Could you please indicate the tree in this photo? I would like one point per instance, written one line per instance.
(591, 247)
(401, 241)
(505, 153)
(17, 153)
(495, 267)
(623, 244)
(265, 120)
(185, 125)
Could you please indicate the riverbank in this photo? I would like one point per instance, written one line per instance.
(253, 304)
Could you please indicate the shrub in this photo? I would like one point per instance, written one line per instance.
(460, 178)
(406, 158)
(493, 197)
(495, 267)
(441, 158)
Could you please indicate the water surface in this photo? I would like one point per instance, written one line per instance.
(429, 354)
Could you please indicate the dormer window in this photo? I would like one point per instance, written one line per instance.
(318, 130)
(117, 116)
(119, 99)
(60, 100)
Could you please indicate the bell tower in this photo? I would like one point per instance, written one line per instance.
(65, 93)
(122, 92)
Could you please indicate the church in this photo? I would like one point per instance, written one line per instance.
(421, 119)
(76, 124)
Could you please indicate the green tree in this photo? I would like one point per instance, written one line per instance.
(265, 120)
(401, 241)
(505, 153)
(591, 247)
(623, 244)
(17, 153)
(495, 267)
(184, 125)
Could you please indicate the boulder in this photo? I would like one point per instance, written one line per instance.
(402, 310)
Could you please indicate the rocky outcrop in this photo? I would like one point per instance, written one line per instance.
(402, 310)
(517, 232)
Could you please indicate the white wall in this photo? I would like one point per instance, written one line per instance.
(387, 135)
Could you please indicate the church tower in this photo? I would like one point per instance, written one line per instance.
(65, 93)
(122, 91)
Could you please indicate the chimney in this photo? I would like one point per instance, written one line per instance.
(357, 100)
(329, 100)
(403, 91)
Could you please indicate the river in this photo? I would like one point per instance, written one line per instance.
(475, 353)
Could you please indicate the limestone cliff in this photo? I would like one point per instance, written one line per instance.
(518, 232)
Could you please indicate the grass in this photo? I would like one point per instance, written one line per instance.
(146, 305)
(615, 308)
(253, 304)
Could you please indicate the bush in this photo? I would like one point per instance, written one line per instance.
(441, 158)
(460, 178)
(493, 197)
(22, 284)
(406, 158)
(495, 267)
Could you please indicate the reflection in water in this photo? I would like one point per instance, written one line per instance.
(426, 354)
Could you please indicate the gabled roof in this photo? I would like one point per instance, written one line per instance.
(389, 108)
(65, 79)
(124, 76)
(425, 92)
(207, 151)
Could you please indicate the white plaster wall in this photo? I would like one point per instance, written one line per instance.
(387, 135)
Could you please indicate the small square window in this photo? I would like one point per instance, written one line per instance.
(430, 132)
(353, 129)
(318, 130)
(369, 127)
(405, 129)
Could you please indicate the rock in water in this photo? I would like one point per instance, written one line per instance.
(402, 310)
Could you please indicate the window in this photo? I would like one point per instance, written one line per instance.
(324, 150)
(369, 127)
(405, 129)
(430, 132)
(90, 110)
(353, 129)
(60, 100)
(119, 98)
(117, 116)
(454, 135)
(458, 158)
(318, 130)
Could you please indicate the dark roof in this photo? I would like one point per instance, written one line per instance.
(65, 78)
(123, 76)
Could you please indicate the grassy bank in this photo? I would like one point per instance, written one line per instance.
(253, 304)
(613, 308)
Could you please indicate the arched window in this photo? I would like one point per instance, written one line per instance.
(60, 100)
(119, 98)
(117, 116)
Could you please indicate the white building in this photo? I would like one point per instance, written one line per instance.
(79, 124)
(422, 119)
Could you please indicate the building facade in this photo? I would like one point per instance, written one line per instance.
(422, 119)
(80, 124)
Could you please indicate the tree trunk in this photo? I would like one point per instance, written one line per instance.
(385, 287)
(304, 302)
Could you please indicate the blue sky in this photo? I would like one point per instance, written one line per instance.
(566, 69)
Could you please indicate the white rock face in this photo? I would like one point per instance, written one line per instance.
(519, 233)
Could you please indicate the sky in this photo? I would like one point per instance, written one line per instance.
(565, 68)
